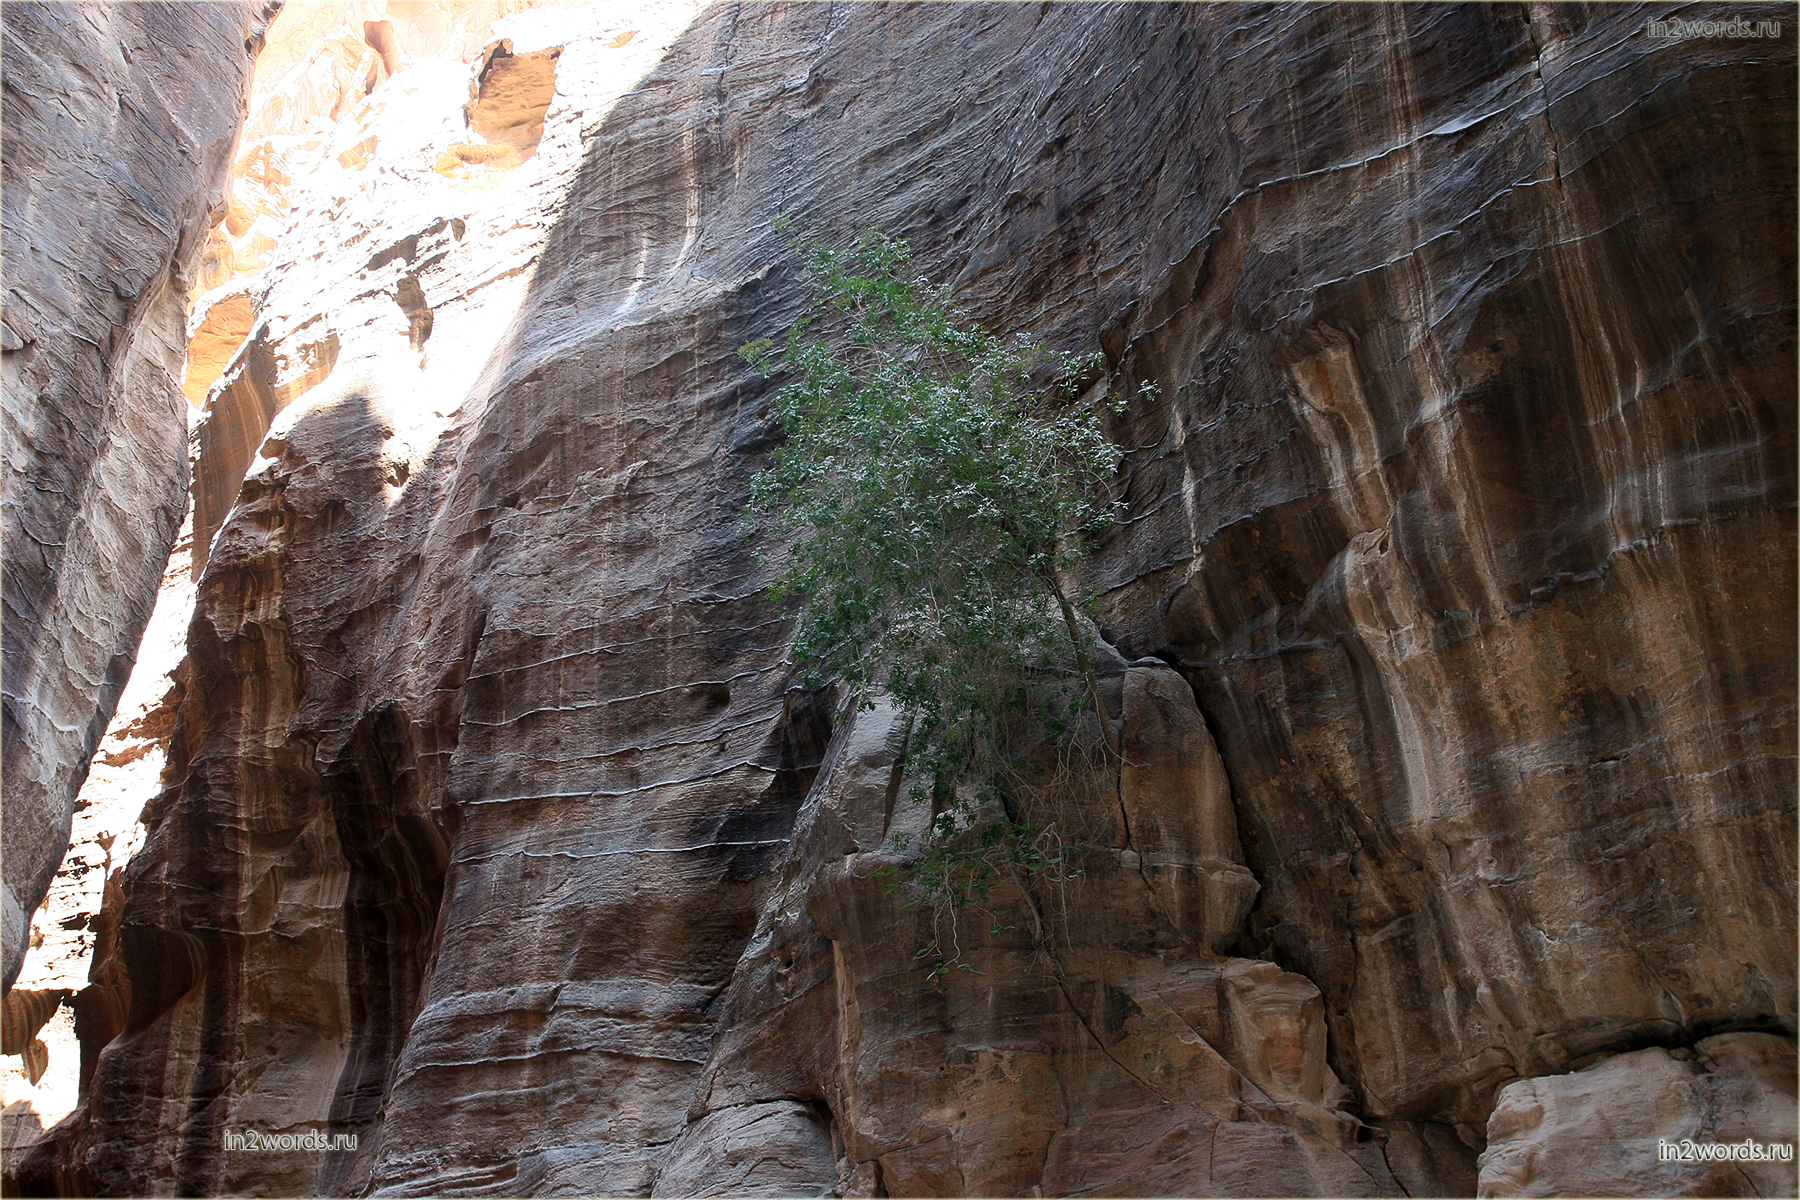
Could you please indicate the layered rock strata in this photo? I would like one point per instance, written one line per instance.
(1088, 1034)
(498, 835)
(72, 927)
(315, 123)
(119, 125)
(1465, 523)
(319, 63)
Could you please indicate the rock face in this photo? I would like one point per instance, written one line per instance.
(71, 927)
(1464, 520)
(320, 60)
(1089, 1038)
(1612, 1128)
(312, 125)
(119, 125)
(1455, 658)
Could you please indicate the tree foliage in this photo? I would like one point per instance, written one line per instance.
(936, 487)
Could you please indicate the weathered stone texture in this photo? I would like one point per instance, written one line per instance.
(1465, 511)
(69, 931)
(1611, 1128)
(119, 124)
(1465, 520)
(1084, 1039)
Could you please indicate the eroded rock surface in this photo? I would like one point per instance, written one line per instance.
(119, 125)
(1613, 1128)
(1465, 512)
(264, 323)
(1083, 1038)
(319, 63)
(69, 946)
(1463, 518)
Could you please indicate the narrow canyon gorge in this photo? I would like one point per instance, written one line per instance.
(407, 767)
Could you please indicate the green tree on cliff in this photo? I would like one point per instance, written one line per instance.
(937, 487)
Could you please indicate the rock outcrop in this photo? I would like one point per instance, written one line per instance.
(320, 61)
(1464, 522)
(119, 125)
(314, 123)
(1455, 651)
(1621, 1127)
(1088, 1037)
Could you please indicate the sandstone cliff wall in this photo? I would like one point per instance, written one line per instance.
(501, 834)
(1467, 523)
(119, 125)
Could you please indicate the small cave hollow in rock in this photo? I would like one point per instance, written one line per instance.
(511, 93)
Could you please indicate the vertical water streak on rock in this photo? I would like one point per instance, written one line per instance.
(395, 857)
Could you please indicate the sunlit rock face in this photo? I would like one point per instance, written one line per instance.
(325, 99)
(321, 60)
(500, 833)
(119, 125)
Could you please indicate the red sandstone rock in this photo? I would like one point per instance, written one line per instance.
(501, 835)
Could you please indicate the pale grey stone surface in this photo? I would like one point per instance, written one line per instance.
(119, 125)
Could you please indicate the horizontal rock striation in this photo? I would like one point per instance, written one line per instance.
(119, 125)
(1451, 603)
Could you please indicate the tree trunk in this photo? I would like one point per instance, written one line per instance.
(1087, 668)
